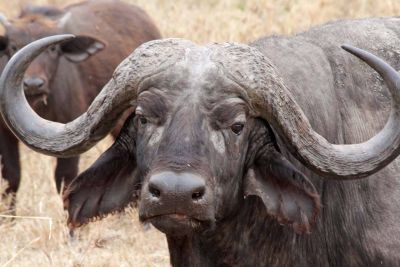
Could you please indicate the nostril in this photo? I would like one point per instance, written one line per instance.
(26, 85)
(198, 194)
(154, 191)
(176, 187)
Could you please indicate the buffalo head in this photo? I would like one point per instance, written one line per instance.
(202, 137)
(35, 23)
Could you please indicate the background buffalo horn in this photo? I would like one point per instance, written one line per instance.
(347, 161)
(52, 138)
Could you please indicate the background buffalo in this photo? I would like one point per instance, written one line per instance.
(115, 241)
(63, 81)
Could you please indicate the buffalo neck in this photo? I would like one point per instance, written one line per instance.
(247, 238)
(252, 238)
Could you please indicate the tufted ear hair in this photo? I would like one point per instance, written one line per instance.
(109, 185)
(287, 194)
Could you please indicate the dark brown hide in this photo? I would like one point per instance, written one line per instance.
(48, 11)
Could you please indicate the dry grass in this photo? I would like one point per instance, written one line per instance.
(120, 240)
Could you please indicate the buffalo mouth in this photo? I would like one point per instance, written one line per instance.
(37, 98)
(176, 224)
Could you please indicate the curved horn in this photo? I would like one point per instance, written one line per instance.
(52, 138)
(76, 137)
(348, 161)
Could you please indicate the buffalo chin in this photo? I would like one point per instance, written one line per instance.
(178, 224)
(37, 99)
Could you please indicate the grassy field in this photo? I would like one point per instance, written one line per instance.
(39, 234)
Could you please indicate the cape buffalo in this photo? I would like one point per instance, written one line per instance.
(63, 81)
(216, 152)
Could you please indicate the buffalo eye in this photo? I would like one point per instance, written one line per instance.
(53, 49)
(142, 120)
(237, 128)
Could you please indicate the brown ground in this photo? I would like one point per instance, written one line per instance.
(39, 235)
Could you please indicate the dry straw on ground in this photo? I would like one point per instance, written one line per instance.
(39, 236)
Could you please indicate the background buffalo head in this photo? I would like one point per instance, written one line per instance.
(38, 22)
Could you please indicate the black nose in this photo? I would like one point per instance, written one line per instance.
(172, 187)
(177, 201)
(33, 85)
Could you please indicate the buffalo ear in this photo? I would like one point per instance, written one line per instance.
(287, 194)
(109, 185)
(81, 48)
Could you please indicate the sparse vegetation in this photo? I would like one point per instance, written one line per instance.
(38, 234)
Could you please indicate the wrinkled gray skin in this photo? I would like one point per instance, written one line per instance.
(202, 127)
(346, 102)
